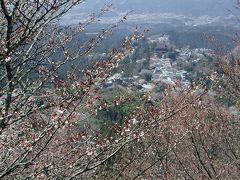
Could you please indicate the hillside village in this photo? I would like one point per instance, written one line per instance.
(163, 70)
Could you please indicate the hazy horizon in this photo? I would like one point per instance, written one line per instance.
(187, 7)
(188, 12)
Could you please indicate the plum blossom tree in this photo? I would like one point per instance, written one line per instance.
(39, 125)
